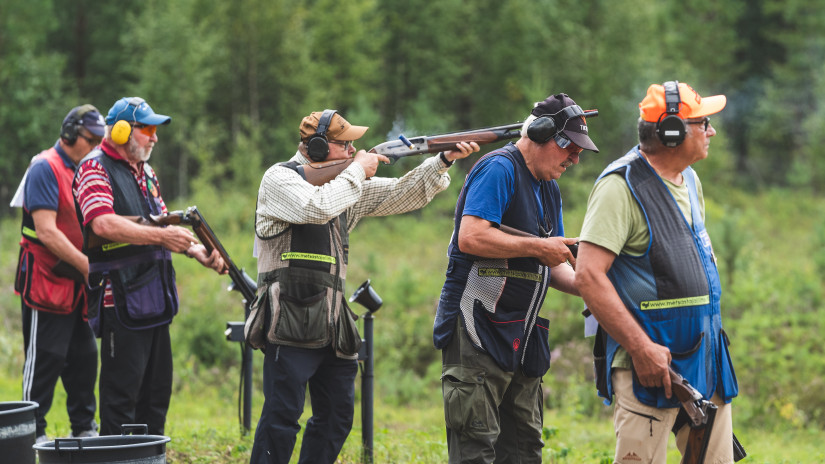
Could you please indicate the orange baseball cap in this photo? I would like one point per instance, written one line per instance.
(692, 104)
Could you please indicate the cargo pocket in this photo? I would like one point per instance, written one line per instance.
(302, 319)
(465, 406)
(347, 338)
(537, 352)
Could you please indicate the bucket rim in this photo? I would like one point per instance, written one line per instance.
(153, 440)
(23, 406)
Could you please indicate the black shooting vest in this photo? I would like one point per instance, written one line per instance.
(142, 276)
(301, 277)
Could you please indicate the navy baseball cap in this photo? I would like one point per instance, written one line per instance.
(135, 109)
(87, 116)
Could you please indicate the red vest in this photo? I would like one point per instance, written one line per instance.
(36, 281)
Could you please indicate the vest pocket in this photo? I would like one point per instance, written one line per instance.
(255, 327)
(347, 338)
(302, 319)
(537, 352)
(44, 291)
(145, 300)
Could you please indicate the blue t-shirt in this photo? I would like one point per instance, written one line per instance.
(490, 187)
(41, 184)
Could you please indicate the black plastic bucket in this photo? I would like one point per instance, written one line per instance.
(131, 449)
(17, 431)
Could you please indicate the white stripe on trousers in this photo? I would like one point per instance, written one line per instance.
(28, 369)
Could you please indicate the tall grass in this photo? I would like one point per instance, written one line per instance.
(770, 253)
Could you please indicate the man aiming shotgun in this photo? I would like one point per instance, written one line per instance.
(300, 318)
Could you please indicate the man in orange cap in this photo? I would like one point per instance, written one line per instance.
(302, 246)
(647, 272)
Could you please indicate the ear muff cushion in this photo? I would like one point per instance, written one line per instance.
(318, 148)
(542, 129)
(121, 132)
(671, 131)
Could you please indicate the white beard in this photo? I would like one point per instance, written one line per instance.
(141, 153)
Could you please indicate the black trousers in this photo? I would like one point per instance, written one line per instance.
(62, 347)
(287, 370)
(135, 376)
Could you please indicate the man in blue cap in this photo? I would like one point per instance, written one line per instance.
(50, 279)
(132, 293)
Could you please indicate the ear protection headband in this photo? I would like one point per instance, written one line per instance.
(68, 131)
(317, 144)
(122, 130)
(670, 128)
(547, 126)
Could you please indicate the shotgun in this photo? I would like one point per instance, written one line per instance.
(192, 217)
(574, 248)
(320, 173)
(701, 415)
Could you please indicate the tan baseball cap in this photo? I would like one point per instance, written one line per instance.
(339, 128)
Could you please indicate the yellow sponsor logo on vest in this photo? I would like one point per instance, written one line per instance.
(28, 232)
(497, 272)
(675, 303)
(113, 246)
(308, 257)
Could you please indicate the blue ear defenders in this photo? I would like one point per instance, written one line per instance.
(670, 128)
(122, 130)
(317, 144)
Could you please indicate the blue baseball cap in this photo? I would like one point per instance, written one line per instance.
(135, 109)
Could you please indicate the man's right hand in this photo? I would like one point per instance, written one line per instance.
(177, 239)
(369, 161)
(651, 362)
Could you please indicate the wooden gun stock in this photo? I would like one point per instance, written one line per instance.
(701, 416)
(320, 173)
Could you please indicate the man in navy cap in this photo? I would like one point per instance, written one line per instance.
(494, 346)
(132, 293)
(50, 279)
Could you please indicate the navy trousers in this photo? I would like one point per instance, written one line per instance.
(331, 380)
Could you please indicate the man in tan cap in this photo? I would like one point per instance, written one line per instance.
(302, 245)
(647, 272)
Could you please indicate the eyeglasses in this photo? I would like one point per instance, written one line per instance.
(347, 144)
(93, 141)
(148, 130)
(705, 121)
(562, 141)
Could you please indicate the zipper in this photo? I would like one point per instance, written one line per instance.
(646, 416)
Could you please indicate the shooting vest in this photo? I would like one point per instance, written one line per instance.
(300, 300)
(673, 290)
(499, 299)
(141, 276)
(36, 281)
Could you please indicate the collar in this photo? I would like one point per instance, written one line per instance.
(63, 156)
(111, 152)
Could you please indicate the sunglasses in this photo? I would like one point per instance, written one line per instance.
(148, 130)
(93, 141)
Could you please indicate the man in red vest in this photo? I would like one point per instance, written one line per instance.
(51, 276)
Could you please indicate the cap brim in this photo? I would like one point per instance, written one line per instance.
(710, 105)
(99, 131)
(582, 140)
(155, 120)
(352, 133)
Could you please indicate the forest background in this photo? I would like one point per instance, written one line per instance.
(238, 76)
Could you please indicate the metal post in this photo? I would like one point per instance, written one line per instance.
(367, 391)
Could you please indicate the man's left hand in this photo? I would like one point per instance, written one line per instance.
(212, 261)
(464, 150)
